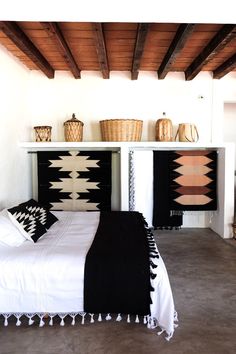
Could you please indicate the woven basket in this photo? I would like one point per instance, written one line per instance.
(43, 133)
(121, 129)
(73, 129)
(164, 130)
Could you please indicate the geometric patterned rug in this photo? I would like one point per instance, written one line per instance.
(193, 180)
(162, 215)
(74, 180)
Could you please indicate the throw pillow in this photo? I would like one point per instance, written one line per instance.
(27, 224)
(43, 215)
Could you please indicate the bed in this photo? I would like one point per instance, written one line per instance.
(52, 275)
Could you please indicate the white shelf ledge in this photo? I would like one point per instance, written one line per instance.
(114, 144)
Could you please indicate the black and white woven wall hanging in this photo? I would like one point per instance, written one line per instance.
(74, 180)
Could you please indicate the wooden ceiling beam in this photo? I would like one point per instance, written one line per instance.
(218, 42)
(19, 38)
(225, 68)
(54, 31)
(177, 44)
(101, 49)
(142, 32)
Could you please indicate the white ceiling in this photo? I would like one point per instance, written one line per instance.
(181, 11)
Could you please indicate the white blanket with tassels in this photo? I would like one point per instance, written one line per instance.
(48, 276)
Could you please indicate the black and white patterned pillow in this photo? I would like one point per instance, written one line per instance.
(44, 216)
(27, 224)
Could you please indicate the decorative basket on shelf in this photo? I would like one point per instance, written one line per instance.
(187, 132)
(43, 133)
(73, 129)
(164, 129)
(121, 129)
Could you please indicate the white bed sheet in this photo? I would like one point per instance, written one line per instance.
(48, 276)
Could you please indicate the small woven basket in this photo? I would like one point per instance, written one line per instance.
(43, 133)
(73, 129)
(121, 129)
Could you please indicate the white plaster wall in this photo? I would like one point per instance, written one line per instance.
(29, 99)
(15, 181)
(223, 91)
(91, 98)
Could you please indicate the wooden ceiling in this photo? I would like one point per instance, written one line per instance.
(105, 47)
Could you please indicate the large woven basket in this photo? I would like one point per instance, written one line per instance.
(121, 129)
(73, 129)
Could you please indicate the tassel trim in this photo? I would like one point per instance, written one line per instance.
(48, 319)
(118, 318)
(108, 317)
(147, 320)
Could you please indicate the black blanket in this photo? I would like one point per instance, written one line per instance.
(117, 268)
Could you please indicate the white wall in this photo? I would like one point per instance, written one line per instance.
(223, 91)
(15, 181)
(92, 98)
(29, 99)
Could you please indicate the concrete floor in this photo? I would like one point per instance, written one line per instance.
(202, 272)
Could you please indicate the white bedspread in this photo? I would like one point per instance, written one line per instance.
(48, 276)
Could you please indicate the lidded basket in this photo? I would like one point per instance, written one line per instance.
(73, 129)
(164, 129)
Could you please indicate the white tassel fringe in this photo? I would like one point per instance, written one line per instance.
(108, 317)
(118, 318)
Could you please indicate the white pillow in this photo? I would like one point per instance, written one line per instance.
(9, 234)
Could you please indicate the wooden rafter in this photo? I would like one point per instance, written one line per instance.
(54, 31)
(180, 38)
(225, 68)
(218, 42)
(101, 49)
(19, 38)
(139, 47)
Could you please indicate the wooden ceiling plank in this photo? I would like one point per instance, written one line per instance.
(141, 36)
(54, 32)
(178, 43)
(225, 68)
(101, 49)
(218, 42)
(19, 38)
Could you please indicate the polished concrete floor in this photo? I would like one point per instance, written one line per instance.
(202, 272)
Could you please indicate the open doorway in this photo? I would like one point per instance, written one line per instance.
(230, 132)
(230, 124)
